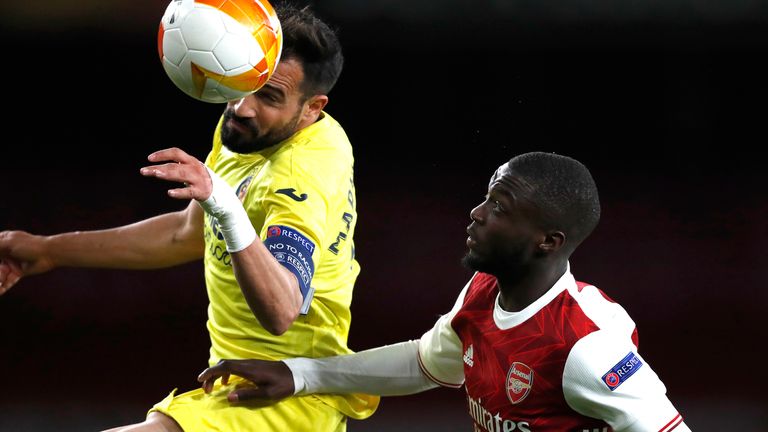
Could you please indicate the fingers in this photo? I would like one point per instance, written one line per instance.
(222, 370)
(213, 372)
(4, 282)
(171, 171)
(184, 169)
(210, 375)
(171, 154)
(248, 393)
(10, 273)
(272, 391)
(268, 379)
(208, 383)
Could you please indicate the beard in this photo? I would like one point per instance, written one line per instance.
(252, 140)
(482, 264)
(506, 264)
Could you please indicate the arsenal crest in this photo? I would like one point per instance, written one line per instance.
(519, 382)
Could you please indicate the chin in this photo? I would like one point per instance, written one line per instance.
(472, 261)
(481, 264)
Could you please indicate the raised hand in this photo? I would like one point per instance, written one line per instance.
(181, 168)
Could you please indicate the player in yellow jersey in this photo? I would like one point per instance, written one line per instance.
(272, 215)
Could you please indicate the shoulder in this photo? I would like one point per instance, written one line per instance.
(596, 306)
(597, 351)
(320, 154)
(325, 138)
(614, 335)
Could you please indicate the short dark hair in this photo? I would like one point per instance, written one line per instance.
(314, 44)
(564, 191)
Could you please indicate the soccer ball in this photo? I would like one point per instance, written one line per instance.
(219, 50)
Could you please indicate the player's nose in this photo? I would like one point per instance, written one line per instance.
(245, 107)
(477, 214)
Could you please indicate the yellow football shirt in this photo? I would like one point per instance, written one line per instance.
(300, 197)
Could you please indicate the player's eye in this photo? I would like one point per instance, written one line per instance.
(269, 97)
(497, 206)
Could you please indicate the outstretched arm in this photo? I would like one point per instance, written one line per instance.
(391, 370)
(271, 291)
(161, 241)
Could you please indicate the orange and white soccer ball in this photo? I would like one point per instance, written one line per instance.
(219, 50)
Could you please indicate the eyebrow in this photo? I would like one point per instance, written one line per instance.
(500, 188)
(513, 188)
(275, 89)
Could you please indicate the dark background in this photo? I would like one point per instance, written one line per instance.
(664, 101)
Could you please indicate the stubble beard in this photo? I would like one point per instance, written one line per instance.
(476, 263)
(252, 141)
(505, 265)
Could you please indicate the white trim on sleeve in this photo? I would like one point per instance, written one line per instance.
(440, 349)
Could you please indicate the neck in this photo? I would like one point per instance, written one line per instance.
(517, 293)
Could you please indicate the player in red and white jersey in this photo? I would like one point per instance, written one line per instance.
(569, 354)
(535, 350)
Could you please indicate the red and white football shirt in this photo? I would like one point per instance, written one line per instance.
(567, 362)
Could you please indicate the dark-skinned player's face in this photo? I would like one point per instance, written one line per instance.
(269, 116)
(503, 236)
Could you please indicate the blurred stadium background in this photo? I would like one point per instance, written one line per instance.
(664, 100)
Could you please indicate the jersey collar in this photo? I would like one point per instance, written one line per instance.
(505, 320)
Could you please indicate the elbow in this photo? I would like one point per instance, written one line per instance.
(276, 312)
(278, 325)
(276, 330)
(283, 316)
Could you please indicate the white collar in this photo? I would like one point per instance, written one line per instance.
(505, 320)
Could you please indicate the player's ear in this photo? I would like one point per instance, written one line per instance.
(552, 242)
(314, 105)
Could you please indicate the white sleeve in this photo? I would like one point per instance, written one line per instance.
(391, 370)
(606, 378)
(440, 349)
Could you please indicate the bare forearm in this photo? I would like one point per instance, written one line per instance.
(153, 243)
(272, 292)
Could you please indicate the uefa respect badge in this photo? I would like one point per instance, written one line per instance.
(622, 370)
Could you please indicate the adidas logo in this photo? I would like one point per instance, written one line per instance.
(468, 356)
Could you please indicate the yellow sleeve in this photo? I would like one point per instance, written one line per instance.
(295, 223)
